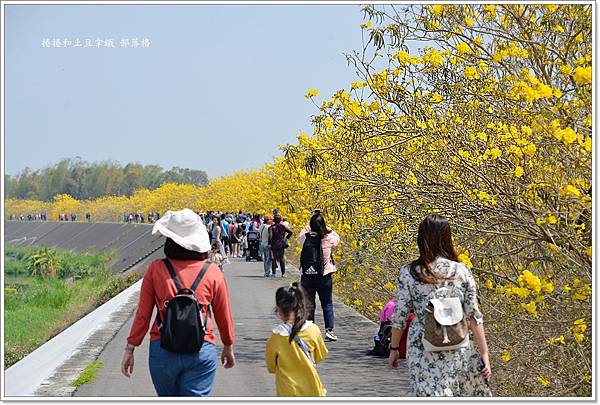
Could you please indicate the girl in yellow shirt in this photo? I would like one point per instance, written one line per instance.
(295, 346)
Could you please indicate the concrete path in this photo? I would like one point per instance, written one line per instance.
(346, 372)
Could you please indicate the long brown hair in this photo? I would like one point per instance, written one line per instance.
(318, 225)
(434, 240)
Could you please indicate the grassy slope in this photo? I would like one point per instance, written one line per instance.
(36, 309)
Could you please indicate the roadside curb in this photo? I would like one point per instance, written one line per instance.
(49, 369)
(58, 385)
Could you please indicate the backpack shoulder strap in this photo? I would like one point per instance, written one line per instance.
(301, 343)
(172, 273)
(200, 276)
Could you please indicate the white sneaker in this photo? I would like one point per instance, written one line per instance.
(330, 336)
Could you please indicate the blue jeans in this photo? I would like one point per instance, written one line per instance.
(322, 285)
(266, 255)
(176, 374)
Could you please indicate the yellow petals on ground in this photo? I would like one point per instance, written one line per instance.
(506, 356)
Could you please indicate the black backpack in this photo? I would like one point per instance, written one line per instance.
(311, 257)
(278, 240)
(382, 340)
(183, 329)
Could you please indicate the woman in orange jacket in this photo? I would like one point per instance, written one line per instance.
(186, 249)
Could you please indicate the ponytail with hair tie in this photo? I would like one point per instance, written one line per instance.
(293, 298)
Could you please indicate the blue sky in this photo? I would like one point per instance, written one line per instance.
(218, 89)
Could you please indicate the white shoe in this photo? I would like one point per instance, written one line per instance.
(330, 336)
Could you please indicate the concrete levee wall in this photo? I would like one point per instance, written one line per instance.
(133, 244)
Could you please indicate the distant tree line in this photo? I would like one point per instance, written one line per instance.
(83, 180)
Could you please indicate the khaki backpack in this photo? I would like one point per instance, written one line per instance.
(445, 325)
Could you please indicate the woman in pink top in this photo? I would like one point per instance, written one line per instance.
(316, 281)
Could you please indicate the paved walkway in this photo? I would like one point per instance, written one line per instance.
(347, 371)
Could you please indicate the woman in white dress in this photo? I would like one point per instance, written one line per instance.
(455, 372)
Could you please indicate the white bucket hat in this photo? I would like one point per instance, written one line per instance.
(186, 229)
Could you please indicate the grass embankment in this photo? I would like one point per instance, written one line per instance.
(46, 290)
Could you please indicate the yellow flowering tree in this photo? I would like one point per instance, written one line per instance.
(490, 125)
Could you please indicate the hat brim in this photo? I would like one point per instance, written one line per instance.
(196, 243)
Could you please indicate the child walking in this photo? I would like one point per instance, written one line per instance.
(215, 256)
(295, 346)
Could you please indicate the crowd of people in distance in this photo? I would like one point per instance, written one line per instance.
(40, 216)
(138, 217)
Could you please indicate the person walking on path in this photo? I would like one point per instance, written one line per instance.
(216, 235)
(295, 346)
(216, 257)
(265, 251)
(255, 224)
(279, 234)
(319, 281)
(186, 248)
(238, 238)
(454, 372)
(225, 236)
